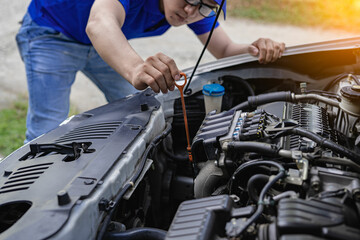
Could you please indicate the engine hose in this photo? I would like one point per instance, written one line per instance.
(207, 180)
(255, 183)
(316, 97)
(339, 161)
(287, 194)
(250, 164)
(258, 147)
(137, 234)
(254, 101)
(131, 182)
(326, 143)
(261, 203)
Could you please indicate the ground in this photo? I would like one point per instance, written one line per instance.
(178, 43)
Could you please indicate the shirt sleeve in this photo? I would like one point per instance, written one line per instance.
(203, 26)
(126, 4)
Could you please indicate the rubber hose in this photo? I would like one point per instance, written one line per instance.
(207, 180)
(254, 101)
(137, 234)
(258, 147)
(260, 206)
(255, 183)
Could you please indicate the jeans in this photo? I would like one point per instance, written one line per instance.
(52, 60)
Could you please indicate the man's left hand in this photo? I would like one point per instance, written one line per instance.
(266, 49)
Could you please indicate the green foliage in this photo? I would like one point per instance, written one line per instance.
(13, 126)
(330, 14)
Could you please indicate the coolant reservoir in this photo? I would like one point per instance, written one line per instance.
(350, 100)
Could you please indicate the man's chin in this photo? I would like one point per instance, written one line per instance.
(175, 22)
(177, 25)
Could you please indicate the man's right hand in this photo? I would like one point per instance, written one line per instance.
(159, 72)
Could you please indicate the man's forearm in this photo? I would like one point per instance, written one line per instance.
(235, 49)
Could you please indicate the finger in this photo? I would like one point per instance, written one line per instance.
(262, 51)
(174, 71)
(163, 65)
(269, 51)
(141, 79)
(282, 46)
(148, 76)
(158, 71)
(277, 51)
(150, 81)
(159, 79)
(162, 75)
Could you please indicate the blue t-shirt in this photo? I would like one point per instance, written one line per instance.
(143, 18)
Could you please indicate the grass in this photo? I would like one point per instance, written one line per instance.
(329, 14)
(13, 125)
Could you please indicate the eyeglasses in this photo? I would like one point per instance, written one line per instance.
(204, 9)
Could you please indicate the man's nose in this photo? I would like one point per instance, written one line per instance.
(191, 10)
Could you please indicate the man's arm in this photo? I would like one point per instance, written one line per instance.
(221, 46)
(104, 30)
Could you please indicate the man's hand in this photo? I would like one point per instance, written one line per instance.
(159, 72)
(266, 49)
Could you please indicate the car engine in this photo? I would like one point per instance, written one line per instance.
(287, 169)
(281, 160)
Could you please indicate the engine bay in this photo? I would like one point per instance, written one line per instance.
(281, 160)
(285, 170)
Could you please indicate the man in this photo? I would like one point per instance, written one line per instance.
(59, 38)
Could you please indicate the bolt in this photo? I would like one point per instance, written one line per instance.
(303, 87)
(63, 198)
(315, 185)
